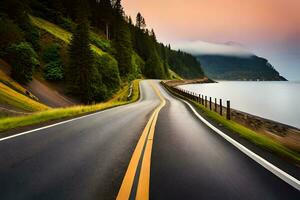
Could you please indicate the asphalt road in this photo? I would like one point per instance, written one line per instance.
(88, 158)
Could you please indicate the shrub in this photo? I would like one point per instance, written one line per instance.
(52, 53)
(24, 60)
(53, 71)
(107, 66)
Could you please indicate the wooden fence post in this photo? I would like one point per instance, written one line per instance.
(221, 108)
(216, 105)
(228, 114)
(210, 103)
(205, 101)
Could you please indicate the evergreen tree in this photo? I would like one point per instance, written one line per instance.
(122, 41)
(154, 67)
(81, 70)
(140, 21)
(123, 49)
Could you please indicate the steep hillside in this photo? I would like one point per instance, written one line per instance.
(14, 100)
(238, 68)
(83, 51)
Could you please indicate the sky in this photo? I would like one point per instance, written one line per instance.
(267, 28)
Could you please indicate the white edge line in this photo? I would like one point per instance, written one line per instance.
(70, 120)
(266, 164)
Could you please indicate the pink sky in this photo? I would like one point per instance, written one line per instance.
(261, 25)
(219, 20)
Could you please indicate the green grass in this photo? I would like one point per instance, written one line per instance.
(257, 139)
(63, 113)
(174, 76)
(59, 32)
(18, 100)
(11, 83)
(100, 42)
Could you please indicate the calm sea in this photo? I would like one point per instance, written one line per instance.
(278, 101)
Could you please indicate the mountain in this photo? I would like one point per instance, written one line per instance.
(232, 67)
(230, 61)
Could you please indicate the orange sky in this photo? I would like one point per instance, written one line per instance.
(261, 25)
(219, 19)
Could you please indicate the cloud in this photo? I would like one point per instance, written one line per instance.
(207, 48)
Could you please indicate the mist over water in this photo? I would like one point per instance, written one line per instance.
(278, 101)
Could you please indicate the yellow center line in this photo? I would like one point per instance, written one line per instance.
(144, 179)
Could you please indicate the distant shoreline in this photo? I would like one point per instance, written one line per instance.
(286, 134)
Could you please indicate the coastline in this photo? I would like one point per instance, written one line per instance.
(284, 134)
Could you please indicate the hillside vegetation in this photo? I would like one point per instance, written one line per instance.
(13, 98)
(239, 68)
(89, 47)
(120, 98)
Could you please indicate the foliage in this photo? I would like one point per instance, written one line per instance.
(9, 33)
(24, 60)
(238, 68)
(18, 12)
(154, 67)
(123, 48)
(108, 68)
(137, 65)
(184, 64)
(51, 53)
(81, 70)
(100, 42)
(53, 71)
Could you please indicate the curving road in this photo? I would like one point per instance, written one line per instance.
(94, 157)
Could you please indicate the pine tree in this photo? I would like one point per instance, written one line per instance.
(122, 40)
(140, 21)
(81, 70)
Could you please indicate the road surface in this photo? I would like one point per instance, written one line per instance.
(155, 148)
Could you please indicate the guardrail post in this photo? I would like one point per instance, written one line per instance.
(199, 98)
(206, 101)
(216, 105)
(221, 108)
(210, 103)
(202, 100)
(228, 114)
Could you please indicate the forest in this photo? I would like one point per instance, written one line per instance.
(106, 47)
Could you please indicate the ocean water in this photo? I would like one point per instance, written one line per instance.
(278, 101)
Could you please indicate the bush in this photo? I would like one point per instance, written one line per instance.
(53, 71)
(24, 60)
(52, 53)
(107, 66)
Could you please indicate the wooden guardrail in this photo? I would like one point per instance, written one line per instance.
(203, 100)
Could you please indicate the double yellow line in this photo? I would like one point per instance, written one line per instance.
(145, 139)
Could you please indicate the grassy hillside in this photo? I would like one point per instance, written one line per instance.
(58, 32)
(5, 79)
(119, 99)
(15, 99)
